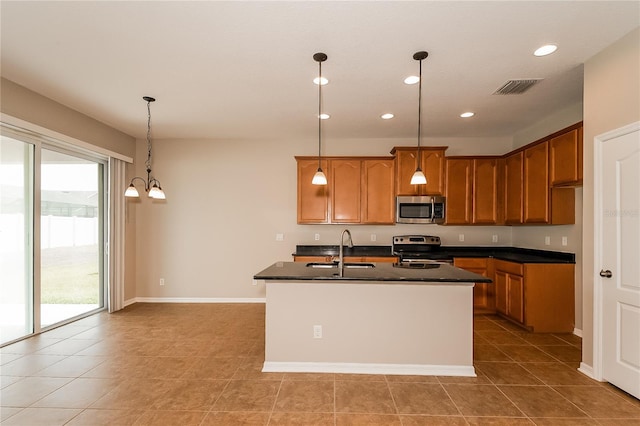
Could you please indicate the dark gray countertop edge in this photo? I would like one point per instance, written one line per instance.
(512, 254)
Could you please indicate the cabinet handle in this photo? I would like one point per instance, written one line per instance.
(605, 274)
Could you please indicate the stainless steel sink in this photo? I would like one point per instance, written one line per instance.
(335, 265)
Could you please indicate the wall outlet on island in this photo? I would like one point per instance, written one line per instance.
(494, 238)
(373, 237)
(547, 240)
(461, 237)
(161, 281)
(317, 332)
(564, 241)
(316, 237)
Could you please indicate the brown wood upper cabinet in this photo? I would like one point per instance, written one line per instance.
(432, 164)
(536, 184)
(565, 158)
(359, 190)
(513, 201)
(472, 190)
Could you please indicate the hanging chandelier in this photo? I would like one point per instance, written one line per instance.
(319, 178)
(418, 177)
(151, 184)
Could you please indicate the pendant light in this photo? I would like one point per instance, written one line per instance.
(319, 178)
(418, 177)
(151, 184)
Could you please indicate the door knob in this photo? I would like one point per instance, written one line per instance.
(605, 274)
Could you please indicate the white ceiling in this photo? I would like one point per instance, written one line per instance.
(245, 69)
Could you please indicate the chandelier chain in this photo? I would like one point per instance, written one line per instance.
(148, 162)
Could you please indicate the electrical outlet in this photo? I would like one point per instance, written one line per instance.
(564, 241)
(279, 237)
(316, 237)
(317, 332)
(373, 237)
(161, 281)
(460, 237)
(494, 238)
(547, 240)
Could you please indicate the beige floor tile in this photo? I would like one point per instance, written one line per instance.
(501, 337)
(481, 400)
(6, 358)
(499, 421)
(344, 419)
(565, 422)
(422, 420)
(251, 369)
(309, 376)
(30, 345)
(30, 364)
(240, 418)
(138, 394)
(9, 380)
(507, 373)
(599, 404)
(556, 373)
(29, 390)
(72, 366)
(526, 353)
(411, 379)
(79, 393)
(305, 396)
(489, 352)
(67, 347)
(213, 368)
(190, 395)
(563, 353)
(422, 398)
(248, 395)
(293, 419)
(42, 416)
(6, 412)
(171, 418)
(363, 397)
(541, 401)
(97, 417)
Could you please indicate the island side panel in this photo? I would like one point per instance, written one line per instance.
(393, 324)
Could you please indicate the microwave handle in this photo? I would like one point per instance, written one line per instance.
(433, 210)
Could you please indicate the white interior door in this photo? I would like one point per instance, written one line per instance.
(619, 260)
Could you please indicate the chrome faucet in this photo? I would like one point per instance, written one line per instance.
(341, 254)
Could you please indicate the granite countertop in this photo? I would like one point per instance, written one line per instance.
(434, 273)
(512, 254)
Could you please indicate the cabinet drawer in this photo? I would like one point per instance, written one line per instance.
(468, 262)
(509, 267)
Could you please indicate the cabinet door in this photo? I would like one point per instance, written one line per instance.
(580, 155)
(345, 191)
(483, 298)
(458, 191)
(378, 201)
(536, 184)
(513, 188)
(500, 282)
(563, 159)
(313, 200)
(485, 191)
(515, 291)
(432, 165)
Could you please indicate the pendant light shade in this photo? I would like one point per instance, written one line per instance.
(319, 178)
(151, 184)
(418, 177)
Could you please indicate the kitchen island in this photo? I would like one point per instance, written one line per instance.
(385, 319)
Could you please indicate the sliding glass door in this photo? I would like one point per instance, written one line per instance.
(52, 234)
(71, 237)
(16, 239)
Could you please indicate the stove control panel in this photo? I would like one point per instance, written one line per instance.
(416, 240)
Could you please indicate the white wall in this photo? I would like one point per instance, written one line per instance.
(611, 100)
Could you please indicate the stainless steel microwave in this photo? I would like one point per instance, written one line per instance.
(420, 209)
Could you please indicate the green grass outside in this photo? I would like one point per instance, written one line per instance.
(70, 276)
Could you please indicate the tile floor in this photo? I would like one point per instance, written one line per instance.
(179, 364)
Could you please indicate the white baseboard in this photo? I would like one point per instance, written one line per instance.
(129, 302)
(577, 332)
(358, 368)
(587, 370)
(195, 300)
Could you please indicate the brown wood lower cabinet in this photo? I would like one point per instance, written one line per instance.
(483, 293)
(538, 296)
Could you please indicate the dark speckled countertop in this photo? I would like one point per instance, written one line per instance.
(512, 254)
(381, 272)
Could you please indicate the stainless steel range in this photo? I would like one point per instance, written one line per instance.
(419, 249)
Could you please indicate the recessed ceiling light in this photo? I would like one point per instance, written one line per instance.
(324, 81)
(412, 79)
(387, 116)
(467, 114)
(545, 50)
(324, 116)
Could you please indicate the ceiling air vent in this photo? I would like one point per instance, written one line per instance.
(516, 87)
